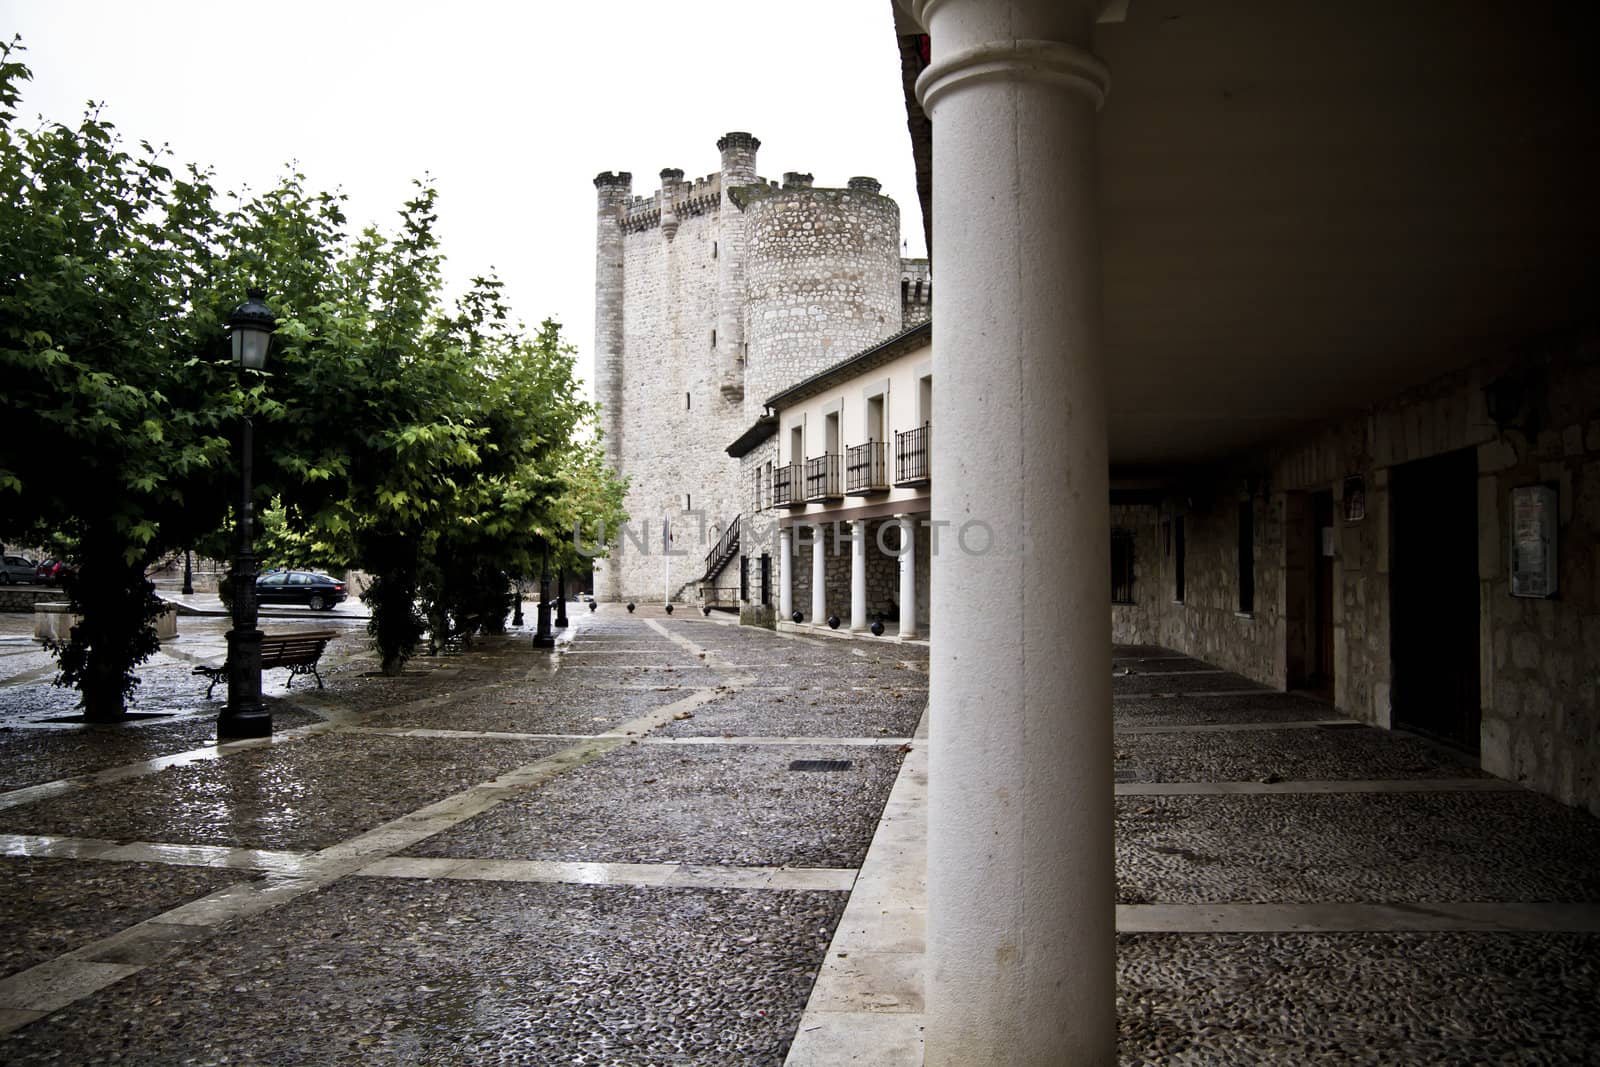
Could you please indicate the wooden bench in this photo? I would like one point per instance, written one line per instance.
(298, 650)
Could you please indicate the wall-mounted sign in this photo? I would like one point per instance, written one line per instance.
(1534, 511)
(1355, 499)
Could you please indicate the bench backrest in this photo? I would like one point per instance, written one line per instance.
(294, 646)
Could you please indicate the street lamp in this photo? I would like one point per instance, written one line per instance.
(250, 326)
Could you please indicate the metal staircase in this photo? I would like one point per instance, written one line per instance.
(723, 552)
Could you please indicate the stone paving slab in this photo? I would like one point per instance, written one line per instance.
(1379, 847)
(394, 971)
(32, 756)
(51, 906)
(1357, 752)
(811, 712)
(533, 707)
(305, 794)
(1193, 709)
(704, 804)
(1375, 999)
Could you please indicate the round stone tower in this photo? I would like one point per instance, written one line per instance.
(822, 269)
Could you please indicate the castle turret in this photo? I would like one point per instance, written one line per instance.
(823, 277)
(738, 169)
(614, 192)
(671, 179)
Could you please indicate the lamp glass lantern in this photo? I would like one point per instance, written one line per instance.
(251, 326)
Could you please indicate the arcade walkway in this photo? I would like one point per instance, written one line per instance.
(1293, 888)
(644, 848)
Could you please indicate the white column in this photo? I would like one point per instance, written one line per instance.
(1021, 918)
(785, 573)
(858, 577)
(908, 577)
(819, 577)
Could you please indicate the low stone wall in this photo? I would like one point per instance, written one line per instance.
(53, 620)
(22, 598)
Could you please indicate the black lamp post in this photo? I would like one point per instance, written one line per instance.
(251, 326)
(561, 599)
(188, 574)
(543, 638)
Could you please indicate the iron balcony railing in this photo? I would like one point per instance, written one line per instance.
(823, 481)
(786, 487)
(866, 468)
(913, 455)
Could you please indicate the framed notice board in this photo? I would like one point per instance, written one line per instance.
(1535, 510)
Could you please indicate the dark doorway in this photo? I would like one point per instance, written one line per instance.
(1434, 590)
(1319, 661)
(1308, 592)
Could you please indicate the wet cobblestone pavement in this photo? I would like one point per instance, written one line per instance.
(186, 947)
(429, 972)
(706, 804)
(1315, 892)
(51, 906)
(303, 794)
(585, 857)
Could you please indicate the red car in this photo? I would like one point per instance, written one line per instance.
(50, 571)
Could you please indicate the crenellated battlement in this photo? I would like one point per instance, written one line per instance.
(916, 292)
(682, 198)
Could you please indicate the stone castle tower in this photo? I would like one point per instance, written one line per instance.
(711, 296)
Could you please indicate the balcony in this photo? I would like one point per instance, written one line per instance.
(913, 455)
(866, 469)
(823, 477)
(786, 487)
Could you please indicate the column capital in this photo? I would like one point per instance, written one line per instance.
(1044, 62)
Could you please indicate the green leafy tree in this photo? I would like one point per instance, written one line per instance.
(108, 346)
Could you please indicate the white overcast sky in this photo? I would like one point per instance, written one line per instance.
(511, 107)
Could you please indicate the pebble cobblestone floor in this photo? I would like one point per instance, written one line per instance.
(612, 854)
(502, 856)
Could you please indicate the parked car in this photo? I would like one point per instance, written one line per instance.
(317, 591)
(18, 570)
(50, 571)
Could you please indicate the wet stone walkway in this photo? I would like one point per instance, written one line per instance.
(634, 850)
(674, 841)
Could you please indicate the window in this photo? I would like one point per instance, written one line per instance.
(1177, 559)
(688, 502)
(713, 338)
(875, 418)
(1122, 566)
(686, 401)
(830, 433)
(1247, 558)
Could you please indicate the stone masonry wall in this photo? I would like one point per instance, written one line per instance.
(1209, 623)
(916, 292)
(823, 275)
(676, 422)
(1539, 658)
(1135, 623)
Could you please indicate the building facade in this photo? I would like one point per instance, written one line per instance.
(711, 296)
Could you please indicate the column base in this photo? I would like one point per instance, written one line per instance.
(241, 725)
